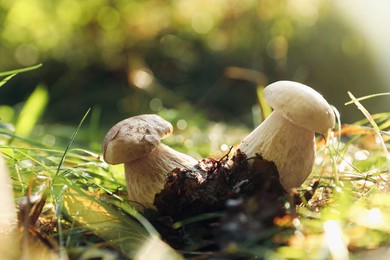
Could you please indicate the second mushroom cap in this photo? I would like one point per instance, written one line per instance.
(134, 137)
(301, 105)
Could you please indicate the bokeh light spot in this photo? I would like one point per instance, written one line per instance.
(334, 240)
(27, 54)
(361, 155)
(69, 11)
(277, 47)
(181, 124)
(188, 143)
(108, 18)
(217, 41)
(202, 22)
(224, 147)
(141, 78)
(156, 104)
(306, 10)
(49, 140)
(375, 217)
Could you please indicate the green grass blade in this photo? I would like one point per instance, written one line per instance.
(6, 79)
(22, 138)
(32, 111)
(71, 141)
(265, 108)
(197, 218)
(11, 72)
(59, 208)
(59, 201)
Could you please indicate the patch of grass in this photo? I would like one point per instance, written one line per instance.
(347, 215)
(69, 200)
(85, 201)
(86, 213)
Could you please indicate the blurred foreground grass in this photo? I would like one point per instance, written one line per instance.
(86, 214)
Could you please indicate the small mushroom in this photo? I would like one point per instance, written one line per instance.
(286, 137)
(135, 142)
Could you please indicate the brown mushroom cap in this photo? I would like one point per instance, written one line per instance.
(300, 104)
(134, 137)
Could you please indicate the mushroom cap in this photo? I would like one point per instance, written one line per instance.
(301, 105)
(134, 137)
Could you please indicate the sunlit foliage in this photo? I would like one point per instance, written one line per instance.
(121, 55)
(179, 59)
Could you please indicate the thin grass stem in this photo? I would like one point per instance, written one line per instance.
(70, 142)
(370, 119)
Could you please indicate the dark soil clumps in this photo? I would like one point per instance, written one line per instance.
(245, 191)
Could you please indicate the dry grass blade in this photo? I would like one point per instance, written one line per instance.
(370, 119)
(367, 97)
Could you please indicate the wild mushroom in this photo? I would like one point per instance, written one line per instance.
(135, 142)
(286, 137)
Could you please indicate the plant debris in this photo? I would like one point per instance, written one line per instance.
(248, 195)
(208, 185)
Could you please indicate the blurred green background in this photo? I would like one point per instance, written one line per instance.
(190, 61)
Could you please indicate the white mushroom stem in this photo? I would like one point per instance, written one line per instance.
(145, 176)
(289, 146)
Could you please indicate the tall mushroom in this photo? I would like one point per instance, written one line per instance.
(286, 137)
(135, 142)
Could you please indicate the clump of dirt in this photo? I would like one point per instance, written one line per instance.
(208, 185)
(246, 191)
